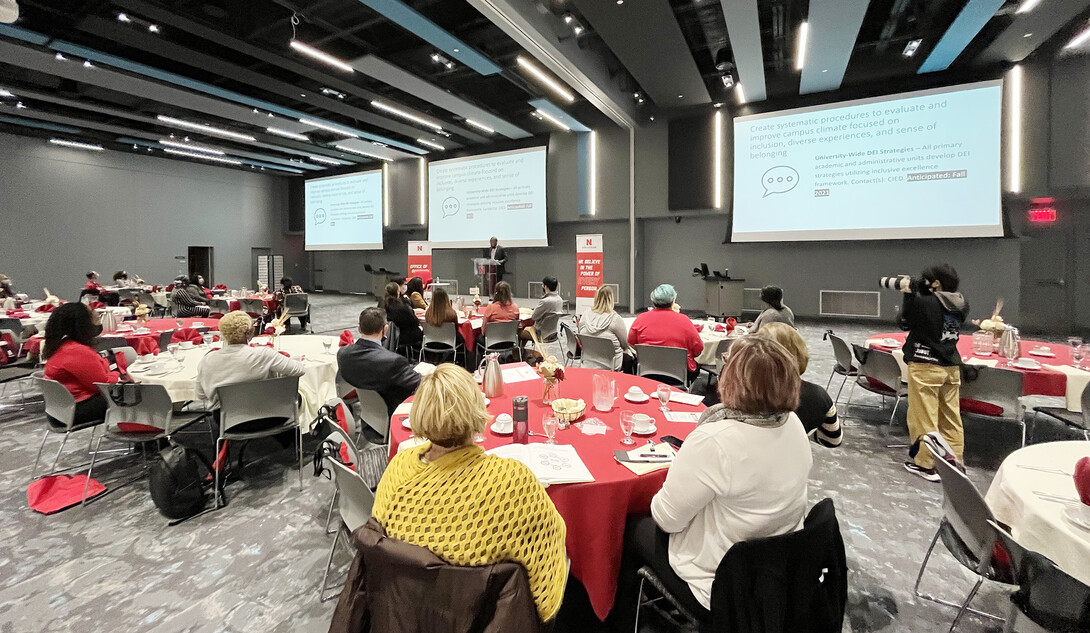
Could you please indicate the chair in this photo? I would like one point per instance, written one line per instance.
(966, 529)
(752, 580)
(161, 306)
(441, 340)
(572, 352)
(350, 454)
(218, 306)
(15, 326)
(670, 364)
(253, 307)
(392, 340)
(164, 339)
(721, 347)
(1080, 421)
(110, 342)
(297, 305)
(502, 336)
(845, 364)
(547, 328)
(999, 388)
(243, 402)
(354, 503)
(884, 374)
(126, 293)
(598, 351)
(60, 411)
(373, 413)
(1048, 599)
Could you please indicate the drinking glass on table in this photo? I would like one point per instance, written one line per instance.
(548, 424)
(1076, 354)
(327, 343)
(1084, 355)
(663, 393)
(179, 323)
(627, 425)
(207, 338)
(172, 348)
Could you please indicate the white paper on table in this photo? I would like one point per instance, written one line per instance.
(682, 416)
(559, 464)
(424, 369)
(982, 361)
(686, 398)
(403, 408)
(476, 324)
(592, 426)
(521, 373)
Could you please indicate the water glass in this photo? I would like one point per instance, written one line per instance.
(549, 424)
(207, 338)
(663, 393)
(1083, 352)
(179, 355)
(179, 323)
(1076, 354)
(627, 425)
(327, 343)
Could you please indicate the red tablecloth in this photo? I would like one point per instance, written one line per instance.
(594, 512)
(142, 343)
(1037, 382)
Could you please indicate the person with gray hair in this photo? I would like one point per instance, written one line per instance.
(664, 326)
(776, 312)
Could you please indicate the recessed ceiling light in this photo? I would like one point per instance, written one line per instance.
(1028, 35)
(204, 149)
(910, 48)
(1079, 39)
(329, 128)
(652, 118)
(321, 56)
(718, 105)
(427, 143)
(121, 17)
(620, 1)
(405, 115)
(1027, 6)
(76, 144)
(681, 96)
(288, 134)
(60, 57)
(577, 29)
(215, 159)
(549, 82)
(153, 28)
(449, 65)
(361, 153)
(800, 50)
(480, 126)
(303, 94)
(87, 64)
(824, 70)
(207, 129)
(324, 160)
(5, 93)
(456, 50)
(20, 106)
(552, 119)
(568, 18)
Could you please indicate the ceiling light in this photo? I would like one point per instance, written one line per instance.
(361, 153)
(379, 144)
(87, 64)
(540, 75)
(207, 129)
(192, 147)
(324, 160)
(456, 50)
(1079, 39)
(1028, 35)
(60, 57)
(568, 18)
(552, 119)
(435, 57)
(728, 80)
(800, 50)
(333, 93)
(5, 93)
(635, 95)
(480, 126)
(910, 48)
(620, 1)
(430, 144)
(327, 127)
(1027, 6)
(20, 106)
(449, 65)
(741, 93)
(718, 105)
(288, 134)
(310, 51)
(217, 159)
(121, 17)
(76, 144)
(640, 100)
(681, 96)
(153, 28)
(405, 115)
(577, 29)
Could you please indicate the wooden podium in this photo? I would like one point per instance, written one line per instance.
(723, 297)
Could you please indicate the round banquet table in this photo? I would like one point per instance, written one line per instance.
(1036, 523)
(709, 336)
(1037, 382)
(316, 386)
(138, 341)
(594, 512)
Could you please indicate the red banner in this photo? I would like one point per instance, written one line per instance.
(420, 260)
(588, 270)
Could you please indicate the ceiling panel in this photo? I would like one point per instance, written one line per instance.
(972, 19)
(1013, 44)
(833, 30)
(744, 29)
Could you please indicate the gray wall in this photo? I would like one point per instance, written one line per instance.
(67, 211)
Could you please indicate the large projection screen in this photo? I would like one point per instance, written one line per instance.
(474, 198)
(920, 164)
(344, 212)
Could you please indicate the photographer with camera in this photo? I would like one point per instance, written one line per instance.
(932, 313)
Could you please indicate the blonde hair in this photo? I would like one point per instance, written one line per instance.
(759, 377)
(449, 408)
(235, 327)
(791, 340)
(603, 300)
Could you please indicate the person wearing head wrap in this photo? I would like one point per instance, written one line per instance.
(776, 312)
(664, 326)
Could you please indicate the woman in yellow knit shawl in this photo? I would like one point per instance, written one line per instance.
(467, 507)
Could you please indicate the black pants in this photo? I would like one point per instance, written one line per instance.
(89, 410)
(646, 544)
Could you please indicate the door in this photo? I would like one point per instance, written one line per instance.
(1048, 279)
(200, 262)
(268, 268)
(259, 265)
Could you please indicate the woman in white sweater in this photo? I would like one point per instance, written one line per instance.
(740, 475)
(601, 320)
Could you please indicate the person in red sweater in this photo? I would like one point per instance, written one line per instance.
(71, 361)
(92, 286)
(503, 308)
(663, 326)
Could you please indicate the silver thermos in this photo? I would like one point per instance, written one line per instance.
(492, 376)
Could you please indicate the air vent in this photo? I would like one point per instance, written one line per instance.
(751, 300)
(853, 303)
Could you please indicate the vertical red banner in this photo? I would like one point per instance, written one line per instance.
(420, 260)
(588, 270)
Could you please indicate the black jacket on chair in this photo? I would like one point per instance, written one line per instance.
(794, 583)
(366, 365)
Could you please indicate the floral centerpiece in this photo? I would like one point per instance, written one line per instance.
(141, 311)
(276, 328)
(552, 372)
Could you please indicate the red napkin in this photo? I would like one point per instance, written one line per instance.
(347, 338)
(283, 353)
(170, 287)
(122, 363)
(221, 287)
(269, 331)
(1082, 479)
(719, 327)
(187, 334)
(18, 314)
(45, 307)
(97, 305)
(147, 345)
(57, 492)
(155, 288)
(731, 323)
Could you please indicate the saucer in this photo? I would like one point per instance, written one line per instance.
(495, 428)
(636, 398)
(650, 431)
(405, 423)
(1041, 352)
(1078, 514)
(1019, 365)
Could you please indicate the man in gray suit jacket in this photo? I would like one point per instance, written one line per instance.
(365, 364)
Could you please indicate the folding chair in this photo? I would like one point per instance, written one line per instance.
(501, 337)
(354, 503)
(343, 438)
(1080, 421)
(1001, 391)
(597, 351)
(721, 348)
(297, 305)
(110, 342)
(373, 413)
(218, 307)
(845, 364)
(571, 344)
(164, 340)
(253, 307)
(669, 364)
(441, 340)
(60, 411)
(880, 373)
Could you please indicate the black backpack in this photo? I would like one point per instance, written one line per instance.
(178, 482)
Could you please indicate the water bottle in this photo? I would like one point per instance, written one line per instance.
(520, 414)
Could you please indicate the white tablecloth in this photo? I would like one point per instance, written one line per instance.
(710, 338)
(316, 386)
(1035, 523)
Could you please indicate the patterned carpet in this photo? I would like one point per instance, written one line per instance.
(256, 564)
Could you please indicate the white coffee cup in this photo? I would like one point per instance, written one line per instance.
(185, 345)
(642, 423)
(504, 423)
(198, 324)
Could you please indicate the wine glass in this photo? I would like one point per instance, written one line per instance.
(627, 425)
(663, 393)
(207, 339)
(179, 323)
(327, 343)
(1083, 352)
(1076, 354)
(179, 355)
(172, 349)
(548, 424)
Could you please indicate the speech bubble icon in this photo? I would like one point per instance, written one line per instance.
(779, 179)
(319, 216)
(451, 206)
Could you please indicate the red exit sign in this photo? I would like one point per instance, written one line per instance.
(1042, 216)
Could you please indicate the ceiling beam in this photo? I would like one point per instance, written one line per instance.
(1041, 24)
(744, 31)
(833, 31)
(970, 21)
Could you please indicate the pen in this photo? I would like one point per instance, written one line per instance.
(658, 455)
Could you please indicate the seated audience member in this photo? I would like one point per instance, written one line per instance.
(237, 362)
(816, 409)
(740, 475)
(70, 360)
(547, 313)
(468, 507)
(602, 320)
(121, 279)
(187, 301)
(776, 312)
(92, 286)
(366, 364)
(6, 289)
(441, 311)
(198, 284)
(289, 287)
(401, 314)
(414, 290)
(664, 326)
(502, 309)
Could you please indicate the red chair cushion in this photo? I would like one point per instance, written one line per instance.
(878, 386)
(981, 408)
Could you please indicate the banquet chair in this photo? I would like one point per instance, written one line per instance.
(441, 340)
(15, 326)
(669, 364)
(1047, 599)
(162, 306)
(721, 348)
(218, 307)
(547, 328)
(392, 340)
(572, 352)
(995, 394)
(297, 304)
(845, 364)
(110, 342)
(126, 351)
(164, 340)
(502, 337)
(354, 503)
(348, 452)
(597, 351)
(879, 373)
(373, 413)
(1080, 421)
(967, 529)
(275, 398)
(144, 297)
(253, 307)
(126, 293)
(60, 411)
